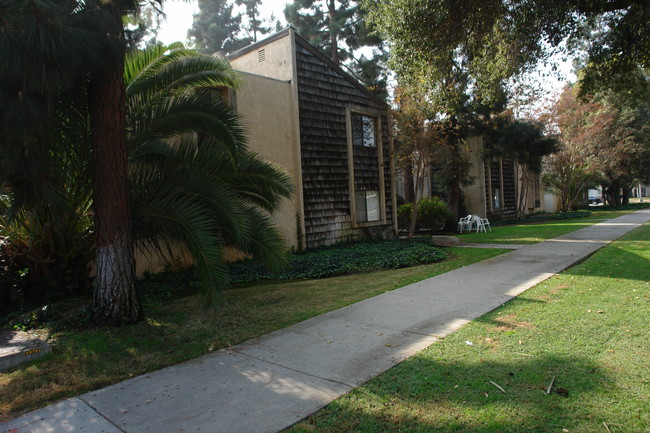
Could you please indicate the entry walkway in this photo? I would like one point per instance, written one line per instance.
(271, 382)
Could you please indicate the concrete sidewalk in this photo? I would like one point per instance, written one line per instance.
(269, 383)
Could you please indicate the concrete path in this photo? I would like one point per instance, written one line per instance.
(271, 382)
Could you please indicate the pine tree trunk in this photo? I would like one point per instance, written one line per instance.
(115, 298)
(334, 48)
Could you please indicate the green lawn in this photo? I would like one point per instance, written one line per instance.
(531, 233)
(587, 327)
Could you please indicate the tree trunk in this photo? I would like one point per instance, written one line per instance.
(409, 195)
(115, 298)
(522, 198)
(418, 189)
(614, 194)
(625, 200)
(334, 47)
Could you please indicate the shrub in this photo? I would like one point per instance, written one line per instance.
(404, 213)
(432, 214)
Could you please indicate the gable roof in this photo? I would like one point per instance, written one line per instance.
(290, 31)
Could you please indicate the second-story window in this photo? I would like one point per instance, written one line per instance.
(363, 130)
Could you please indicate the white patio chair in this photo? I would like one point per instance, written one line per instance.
(479, 223)
(485, 223)
(465, 223)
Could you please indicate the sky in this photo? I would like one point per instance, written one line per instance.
(179, 20)
(179, 17)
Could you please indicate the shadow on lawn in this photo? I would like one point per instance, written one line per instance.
(88, 359)
(427, 395)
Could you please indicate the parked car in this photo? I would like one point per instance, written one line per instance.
(595, 200)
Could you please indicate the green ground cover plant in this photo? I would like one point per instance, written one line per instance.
(340, 260)
(587, 327)
(177, 330)
(558, 216)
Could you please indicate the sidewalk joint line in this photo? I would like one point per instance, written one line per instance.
(98, 412)
(293, 369)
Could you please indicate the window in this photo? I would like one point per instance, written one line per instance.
(261, 55)
(367, 204)
(496, 198)
(363, 130)
(366, 167)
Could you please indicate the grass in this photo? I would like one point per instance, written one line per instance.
(89, 359)
(530, 233)
(587, 327)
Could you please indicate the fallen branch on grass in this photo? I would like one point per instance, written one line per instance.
(500, 389)
(550, 386)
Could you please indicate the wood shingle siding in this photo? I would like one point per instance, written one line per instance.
(324, 95)
(501, 175)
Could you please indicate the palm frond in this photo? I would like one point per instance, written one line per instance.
(148, 61)
(180, 219)
(198, 113)
(261, 182)
(176, 70)
(264, 242)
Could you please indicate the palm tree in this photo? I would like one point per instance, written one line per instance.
(193, 181)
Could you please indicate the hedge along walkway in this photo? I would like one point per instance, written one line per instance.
(271, 382)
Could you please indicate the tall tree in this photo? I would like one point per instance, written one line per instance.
(256, 27)
(81, 45)
(422, 143)
(192, 181)
(625, 151)
(581, 128)
(90, 35)
(116, 297)
(216, 27)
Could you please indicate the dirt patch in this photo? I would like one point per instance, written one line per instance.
(509, 322)
(548, 297)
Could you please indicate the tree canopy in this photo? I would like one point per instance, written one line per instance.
(604, 140)
(219, 27)
(495, 40)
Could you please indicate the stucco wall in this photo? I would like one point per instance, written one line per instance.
(154, 263)
(265, 105)
(277, 60)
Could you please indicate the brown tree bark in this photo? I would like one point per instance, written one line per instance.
(116, 298)
(334, 47)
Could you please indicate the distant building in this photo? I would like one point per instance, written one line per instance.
(495, 187)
